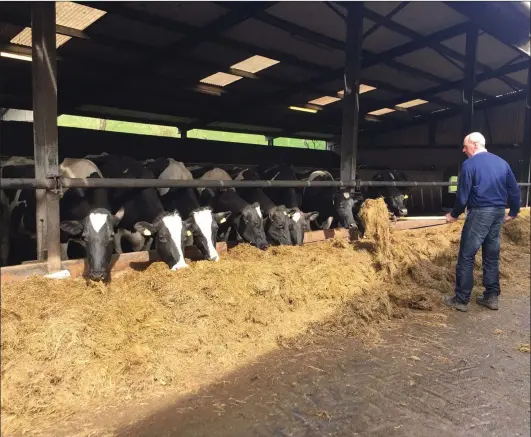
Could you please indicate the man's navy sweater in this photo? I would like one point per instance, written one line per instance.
(486, 180)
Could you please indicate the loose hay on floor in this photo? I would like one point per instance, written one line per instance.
(67, 347)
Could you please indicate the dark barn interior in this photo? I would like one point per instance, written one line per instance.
(386, 84)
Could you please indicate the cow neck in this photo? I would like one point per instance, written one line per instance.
(257, 195)
(229, 200)
(182, 199)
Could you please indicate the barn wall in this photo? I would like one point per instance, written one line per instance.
(499, 124)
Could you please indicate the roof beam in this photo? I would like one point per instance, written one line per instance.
(387, 18)
(440, 48)
(392, 125)
(499, 20)
(158, 57)
(428, 94)
(170, 25)
(369, 58)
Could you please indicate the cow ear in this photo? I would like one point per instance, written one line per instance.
(311, 215)
(188, 226)
(221, 217)
(117, 218)
(72, 227)
(145, 228)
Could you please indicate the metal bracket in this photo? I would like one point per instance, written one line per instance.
(58, 186)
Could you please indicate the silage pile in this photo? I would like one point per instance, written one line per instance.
(68, 347)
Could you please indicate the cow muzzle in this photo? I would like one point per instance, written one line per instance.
(403, 212)
(98, 275)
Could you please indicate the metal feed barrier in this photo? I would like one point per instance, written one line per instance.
(50, 257)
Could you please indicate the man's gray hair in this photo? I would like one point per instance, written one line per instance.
(476, 137)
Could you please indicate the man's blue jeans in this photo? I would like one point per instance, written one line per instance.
(481, 229)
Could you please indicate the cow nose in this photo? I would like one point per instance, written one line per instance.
(97, 275)
(214, 258)
(352, 226)
(263, 246)
(403, 211)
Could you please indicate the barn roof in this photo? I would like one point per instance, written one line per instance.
(274, 68)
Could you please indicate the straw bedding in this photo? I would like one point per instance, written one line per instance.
(68, 346)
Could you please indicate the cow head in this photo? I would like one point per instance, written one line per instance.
(96, 232)
(204, 224)
(344, 204)
(169, 232)
(277, 226)
(299, 223)
(394, 199)
(250, 225)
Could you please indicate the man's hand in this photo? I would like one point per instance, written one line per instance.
(508, 218)
(449, 218)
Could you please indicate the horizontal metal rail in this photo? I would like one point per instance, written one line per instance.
(57, 184)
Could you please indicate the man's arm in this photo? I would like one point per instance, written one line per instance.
(463, 191)
(513, 192)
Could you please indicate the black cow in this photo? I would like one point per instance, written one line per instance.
(84, 213)
(4, 231)
(300, 221)
(204, 223)
(276, 222)
(246, 219)
(393, 197)
(143, 215)
(336, 207)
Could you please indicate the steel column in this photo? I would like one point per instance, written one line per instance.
(469, 81)
(351, 104)
(527, 139)
(44, 78)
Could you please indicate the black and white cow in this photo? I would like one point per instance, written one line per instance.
(394, 198)
(276, 217)
(336, 207)
(84, 213)
(144, 217)
(246, 219)
(300, 221)
(203, 222)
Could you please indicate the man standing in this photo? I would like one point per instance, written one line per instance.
(485, 185)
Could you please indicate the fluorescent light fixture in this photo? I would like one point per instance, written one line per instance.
(382, 111)
(325, 100)
(15, 56)
(412, 103)
(220, 79)
(68, 14)
(302, 109)
(254, 64)
(363, 89)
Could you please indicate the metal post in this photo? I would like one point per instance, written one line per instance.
(351, 106)
(469, 82)
(527, 138)
(44, 75)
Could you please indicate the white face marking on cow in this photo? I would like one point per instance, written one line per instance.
(203, 220)
(97, 220)
(296, 217)
(258, 211)
(174, 224)
(346, 195)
